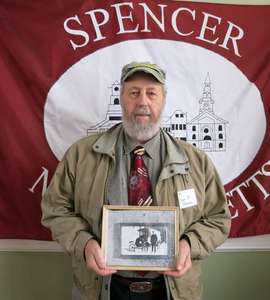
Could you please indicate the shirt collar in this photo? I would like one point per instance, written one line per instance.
(151, 147)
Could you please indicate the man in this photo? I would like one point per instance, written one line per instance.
(95, 171)
(154, 242)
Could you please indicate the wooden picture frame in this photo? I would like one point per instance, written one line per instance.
(127, 233)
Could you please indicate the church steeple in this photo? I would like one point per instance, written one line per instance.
(206, 103)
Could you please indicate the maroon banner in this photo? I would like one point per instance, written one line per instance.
(60, 68)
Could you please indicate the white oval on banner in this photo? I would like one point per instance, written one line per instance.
(223, 111)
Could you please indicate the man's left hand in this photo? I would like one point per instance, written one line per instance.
(183, 263)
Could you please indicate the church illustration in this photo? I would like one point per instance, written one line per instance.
(206, 131)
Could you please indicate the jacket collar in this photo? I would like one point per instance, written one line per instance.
(106, 143)
(175, 154)
(176, 161)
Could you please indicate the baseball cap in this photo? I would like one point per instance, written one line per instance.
(147, 67)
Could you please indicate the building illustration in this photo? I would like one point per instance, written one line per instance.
(206, 131)
(114, 112)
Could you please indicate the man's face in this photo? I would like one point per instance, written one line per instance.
(142, 104)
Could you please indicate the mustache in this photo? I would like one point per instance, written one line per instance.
(142, 112)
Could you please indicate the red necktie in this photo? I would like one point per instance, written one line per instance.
(139, 182)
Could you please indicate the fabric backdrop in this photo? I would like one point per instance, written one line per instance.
(60, 72)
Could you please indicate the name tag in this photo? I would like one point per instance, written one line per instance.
(187, 198)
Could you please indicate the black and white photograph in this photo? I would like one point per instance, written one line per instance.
(144, 240)
(149, 242)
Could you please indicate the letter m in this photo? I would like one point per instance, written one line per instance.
(43, 175)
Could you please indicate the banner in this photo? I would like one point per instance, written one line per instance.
(60, 71)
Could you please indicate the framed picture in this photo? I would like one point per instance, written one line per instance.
(140, 238)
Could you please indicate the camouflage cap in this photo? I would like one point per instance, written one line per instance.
(147, 67)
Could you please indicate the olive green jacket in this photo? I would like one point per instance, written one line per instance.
(72, 205)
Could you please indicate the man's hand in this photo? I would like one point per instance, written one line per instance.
(183, 263)
(94, 259)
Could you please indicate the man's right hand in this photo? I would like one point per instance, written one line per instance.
(94, 259)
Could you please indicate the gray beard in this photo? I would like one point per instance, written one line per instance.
(139, 131)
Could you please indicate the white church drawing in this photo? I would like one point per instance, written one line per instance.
(206, 131)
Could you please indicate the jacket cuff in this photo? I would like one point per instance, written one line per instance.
(83, 238)
(194, 245)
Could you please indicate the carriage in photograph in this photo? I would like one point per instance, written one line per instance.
(143, 242)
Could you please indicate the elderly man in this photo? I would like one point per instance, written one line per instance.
(98, 170)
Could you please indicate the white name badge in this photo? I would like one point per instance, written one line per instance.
(187, 198)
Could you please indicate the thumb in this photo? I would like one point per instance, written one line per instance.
(180, 262)
(184, 252)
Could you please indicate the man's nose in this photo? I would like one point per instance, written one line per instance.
(143, 100)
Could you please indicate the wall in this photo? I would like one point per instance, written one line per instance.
(48, 276)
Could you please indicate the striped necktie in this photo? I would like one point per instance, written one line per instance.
(139, 182)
